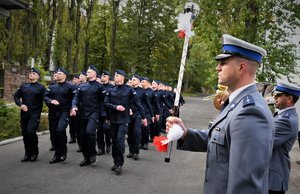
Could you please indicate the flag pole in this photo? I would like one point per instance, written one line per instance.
(191, 11)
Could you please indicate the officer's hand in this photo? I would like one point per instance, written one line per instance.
(153, 119)
(171, 111)
(145, 123)
(24, 108)
(120, 108)
(157, 117)
(73, 112)
(55, 102)
(178, 121)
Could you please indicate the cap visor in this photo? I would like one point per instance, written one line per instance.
(222, 56)
(275, 92)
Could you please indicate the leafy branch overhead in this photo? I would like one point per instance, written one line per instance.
(138, 36)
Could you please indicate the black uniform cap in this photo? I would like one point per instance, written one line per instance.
(146, 78)
(83, 73)
(121, 72)
(104, 72)
(92, 67)
(156, 81)
(60, 69)
(76, 76)
(137, 77)
(35, 71)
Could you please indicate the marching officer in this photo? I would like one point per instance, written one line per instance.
(88, 101)
(74, 124)
(58, 98)
(154, 106)
(286, 128)
(135, 126)
(82, 77)
(103, 131)
(29, 97)
(118, 100)
(163, 104)
(53, 82)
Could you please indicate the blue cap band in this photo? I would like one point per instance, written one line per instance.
(249, 54)
(287, 90)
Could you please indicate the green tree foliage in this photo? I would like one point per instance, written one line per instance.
(138, 36)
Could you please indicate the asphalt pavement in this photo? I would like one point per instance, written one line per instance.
(150, 174)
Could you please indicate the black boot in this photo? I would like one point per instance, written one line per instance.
(118, 170)
(33, 157)
(85, 162)
(100, 152)
(108, 149)
(26, 158)
(56, 158)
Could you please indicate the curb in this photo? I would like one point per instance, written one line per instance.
(15, 139)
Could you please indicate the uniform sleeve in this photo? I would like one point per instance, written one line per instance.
(18, 96)
(156, 106)
(148, 104)
(47, 98)
(135, 100)
(195, 140)
(166, 102)
(251, 135)
(282, 131)
(107, 101)
(75, 99)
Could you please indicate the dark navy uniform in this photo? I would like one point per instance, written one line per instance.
(163, 104)
(51, 128)
(59, 115)
(31, 95)
(103, 131)
(74, 126)
(135, 126)
(146, 129)
(120, 95)
(88, 99)
(167, 105)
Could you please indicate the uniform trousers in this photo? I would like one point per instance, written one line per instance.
(29, 127)
(103, 134)
(59, 123)
(75, 129)
(134, 134)
(118, 134)
(146, 131)
(155, 128)
(88, 135)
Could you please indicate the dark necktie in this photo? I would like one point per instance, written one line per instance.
(275, 114)
(225, 104)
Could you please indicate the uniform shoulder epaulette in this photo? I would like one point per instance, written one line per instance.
(248, 101)
(286, 115)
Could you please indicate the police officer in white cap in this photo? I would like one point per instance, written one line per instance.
(286, 129)
(239, 142)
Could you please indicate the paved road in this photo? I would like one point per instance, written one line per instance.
(149, 175)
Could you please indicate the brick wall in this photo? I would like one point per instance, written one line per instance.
(13, 77)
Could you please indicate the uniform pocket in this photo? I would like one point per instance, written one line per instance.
(219, 149)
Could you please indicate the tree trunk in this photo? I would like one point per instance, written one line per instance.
(251, 22)
(115, 7)
(77, 32)
(51, 24)
(89, 12)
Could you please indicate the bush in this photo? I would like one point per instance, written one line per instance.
(10, 122)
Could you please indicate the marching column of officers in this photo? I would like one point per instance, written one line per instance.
(99, 114)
